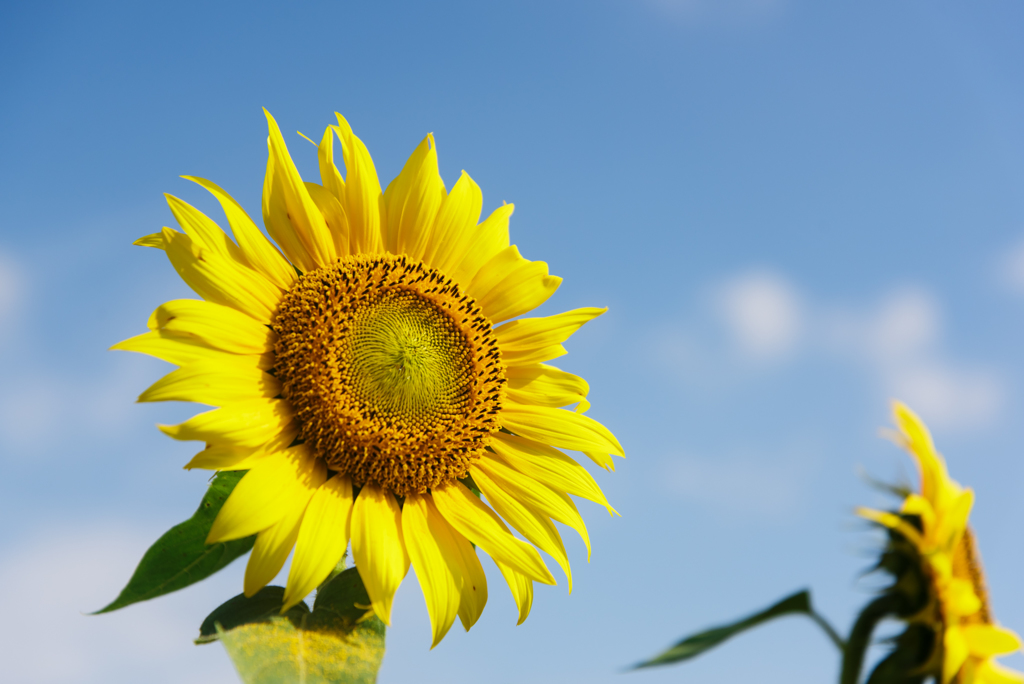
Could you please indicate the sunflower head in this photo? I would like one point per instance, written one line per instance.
(374, 373)
(938, 586)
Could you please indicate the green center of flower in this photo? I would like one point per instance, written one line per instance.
(407, 359)
(393, 374)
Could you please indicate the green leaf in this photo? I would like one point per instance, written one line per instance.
(338, 643)
(242, 610)
(693, 646)
(181, 556)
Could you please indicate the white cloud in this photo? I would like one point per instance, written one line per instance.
(900, 341)
(763, 314)
(54, 579)
(11, 291)
(1010, 268)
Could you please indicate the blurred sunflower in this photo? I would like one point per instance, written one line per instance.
(940, 583)
(372, 383)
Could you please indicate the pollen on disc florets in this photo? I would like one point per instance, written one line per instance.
(393, 373)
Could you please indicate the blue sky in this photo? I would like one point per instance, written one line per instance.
(795, 211)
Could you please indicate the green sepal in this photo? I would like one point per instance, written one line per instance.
(339, 642)
(241, 610)
(181, 556)
(693, 646)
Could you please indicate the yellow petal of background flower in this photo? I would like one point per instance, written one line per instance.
(247, 423)
(290, 207)
(549, 466)
(267, 493)
(991, 672)
(221, 327)
(427, 538)
(543, 385)
(893, 522)
(217, 280)
(378, 548)
(459, 212)
(480, 525)
(275, 543)
(529, 522)
(560, 428)
(955, 653)
(535, 496)
(322, 540)
(258, 251)
(412, 200)
(215, 383)
(521, 588)
(530, 340)
(985, 641)
(362, 192)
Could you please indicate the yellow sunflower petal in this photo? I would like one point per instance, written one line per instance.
(217, 280)
(936, 485)
(560, 428)
(473, 593)
(204, 230)
(478, 523)
(289, 210)
(378, 547)
(550, 466)
(221, 327)
(522, 590)
(476, 246)
(952, 525)
(362, 192)
(322, 540)
(985, 641)
(330, 177)
(412, 201)
(185, 350)
(534, 496)
(152, 240)
(231, 457)
(247, 423)
(529, 522)
(267, 493)
(509, 285)
(334, 216)
(959, 598)
(543, 385)
(275, 543)
(215, 383)
(257, 249)
(459, 212)
(530, 340)
(428, 539)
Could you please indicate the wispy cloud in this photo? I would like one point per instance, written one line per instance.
(763, 313)
(898, 340)
(62, 573)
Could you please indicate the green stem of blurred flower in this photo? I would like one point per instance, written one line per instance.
(829, 630)
(860, 636)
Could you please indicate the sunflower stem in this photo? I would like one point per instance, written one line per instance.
(829, 630)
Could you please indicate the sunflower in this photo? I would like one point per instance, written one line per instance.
(965, 638)
(376, 380)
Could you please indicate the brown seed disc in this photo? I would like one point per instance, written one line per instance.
(393, 373)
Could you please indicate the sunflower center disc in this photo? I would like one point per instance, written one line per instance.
(393, 374)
